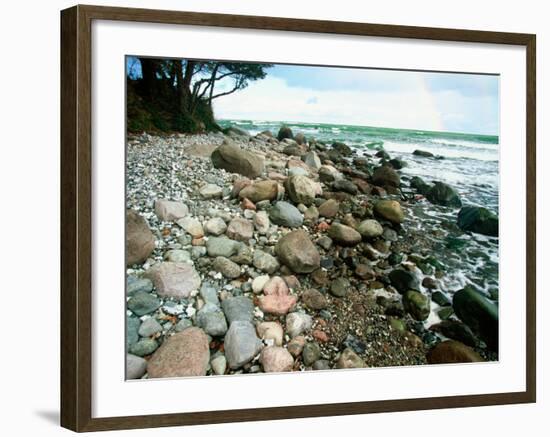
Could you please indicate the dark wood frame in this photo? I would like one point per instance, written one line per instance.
(76, 218)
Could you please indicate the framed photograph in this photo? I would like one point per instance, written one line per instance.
(268, 218)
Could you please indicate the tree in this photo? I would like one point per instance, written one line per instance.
(186, 88)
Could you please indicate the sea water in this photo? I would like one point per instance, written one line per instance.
(470, 163)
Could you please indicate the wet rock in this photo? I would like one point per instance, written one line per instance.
(456, 330)
(342, 148)
(479, 220)
(298, 323)
(314, 299)
(452, 352)
(296, 251)
(276, 359)
(183, 354)
(479, 313)
(221, 246)
(349, 360)
(386, 176)
(241, 344)
(261, 190)
(403, 280)
(233, 159)
(301, 189)
(423, 154)
(311, 353)
(140, 241)
(370, 229)
(240, 229)
(143, 303)
(175, 280)
(238, 308)
(441, 299)
(329, 208)
(444, 194)
(389, 210)
(285, 132)
(429, 283)
(416, 304)
(397, 164)
(339, 287)
(135, 366)
(286, 214)
(419, 185)
(344, 235)
(169, 210)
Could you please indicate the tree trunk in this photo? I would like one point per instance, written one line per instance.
(148, 72)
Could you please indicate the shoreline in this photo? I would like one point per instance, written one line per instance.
(360, 314)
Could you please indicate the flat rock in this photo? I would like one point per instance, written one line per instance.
(170, 210)
(175, 280)
(221, 246)
(183, 354)
(136, 285)
(241, 344)
(286, 214)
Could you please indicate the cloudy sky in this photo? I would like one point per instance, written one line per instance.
(398, 99)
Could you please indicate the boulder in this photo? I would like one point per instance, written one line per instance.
(286, 214)
(443, 194)
(342, 148)
(344, 235)
(389, 210)
(276, 359)
(285, 132)
(169, 210)
(423, 154)
(233, 159)
(296, 251)
(403, 280)
(140, 241)
(301, 189)
(370, 229)
(416, 304)
(261, 190)
(451, 351)
(479, 220)
(312, 160)
(419, 185)
(183, 354)
(479, 313)
(386, 176)
(176, 280)
(456, 330)
(241, 344)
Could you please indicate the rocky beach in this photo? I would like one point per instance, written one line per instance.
(279, 251)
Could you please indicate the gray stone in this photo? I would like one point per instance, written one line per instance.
(176, 280)
(339, 287)
(143, 303)
(298, 323)
(211, 191)
(149, 327)
(265, 262)
(286, 214)
(177, 256)
(312, 160)
(209, 293)
(132, 328)
(311, 353)
(238, 308)
(145, 346)
(241, 344)
(226, 267)
(221, 246)
(444, 194)
(135, 366)
(136, 285)
(212, 320)
(215, 226)
(183, 324)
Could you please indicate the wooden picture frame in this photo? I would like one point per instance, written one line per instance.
(76, 217)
